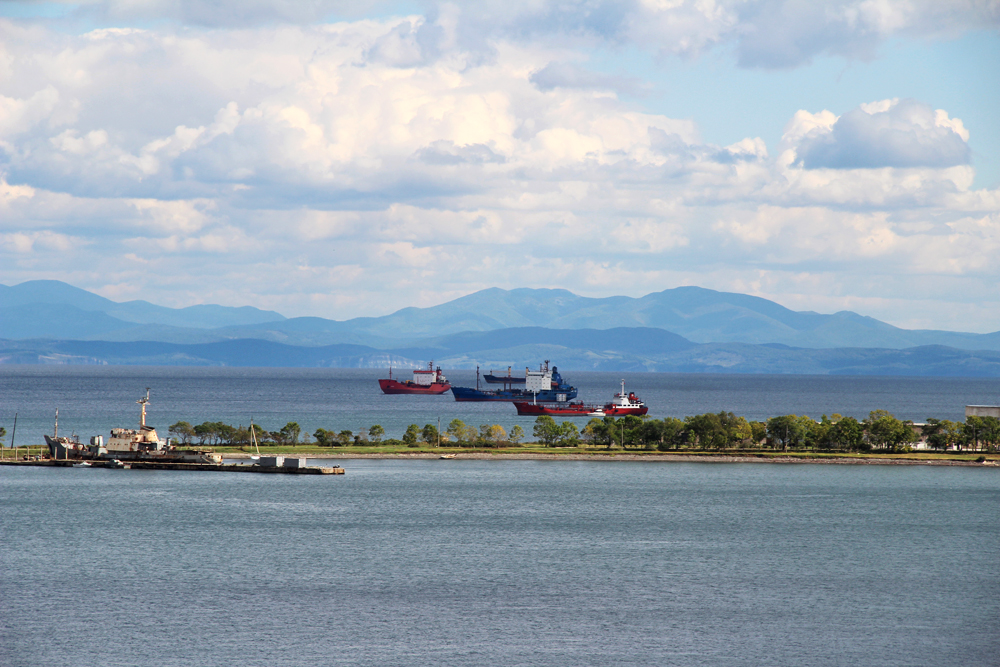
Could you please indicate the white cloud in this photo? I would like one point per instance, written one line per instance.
(765, 33)
(892, 133)
(385, 162)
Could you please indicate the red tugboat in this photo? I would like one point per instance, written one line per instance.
(430, 381)
(622, 405)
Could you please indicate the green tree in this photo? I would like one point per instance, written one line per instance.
(758, 433)
(456, 430)
(375, 433)
(708, 430)
(225, 433)
(942, 433)
(659, 434)
(600, 431)
(546, 430)
(786, 431)
(324, 438)
(887, 432)
(182, 431)
(411, 435)
(848, 433)
(991, 432)
(205, 432)
(429, 434)
(289, 433)
(516, 434)
(627, 430)
(3, 434)
(569, 434)
(496, 435)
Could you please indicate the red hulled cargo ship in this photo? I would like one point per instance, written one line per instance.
(623, 404)
(430, 381)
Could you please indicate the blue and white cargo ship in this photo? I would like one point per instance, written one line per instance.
(541, 385)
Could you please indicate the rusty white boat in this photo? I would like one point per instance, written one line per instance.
(127, 444)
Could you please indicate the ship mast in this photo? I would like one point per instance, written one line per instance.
(143, 402)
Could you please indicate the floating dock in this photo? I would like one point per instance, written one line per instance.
(208, 467)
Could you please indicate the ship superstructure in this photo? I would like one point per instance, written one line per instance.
(545, 384)
(425, 381)
(623, 404)
(127, 444)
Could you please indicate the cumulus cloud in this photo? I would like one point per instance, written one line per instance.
(765, 33)
(568, 75)
(371, 159)
(892, 133)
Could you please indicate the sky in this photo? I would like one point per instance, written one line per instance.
(344, 159)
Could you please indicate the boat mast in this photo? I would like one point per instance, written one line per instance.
(55, 433)
(142, 402)
(253, 437)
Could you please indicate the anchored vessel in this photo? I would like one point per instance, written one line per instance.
(429, 381)
(502, 379)
(126, 444)
(623, 404)
(541, 385)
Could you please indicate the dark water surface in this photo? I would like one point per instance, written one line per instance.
(93, 399)
(502, 563)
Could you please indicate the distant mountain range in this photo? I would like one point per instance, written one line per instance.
(50, 308)
(620, 349)
(686, 328)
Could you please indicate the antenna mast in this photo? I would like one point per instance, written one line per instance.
(142, 402)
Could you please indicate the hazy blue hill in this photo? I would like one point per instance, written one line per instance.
(205, 316)
(255, 353)
(55, 293)
(485, 310)
(608, 350)
(621, 339)
(51, 292)
(33, 320)
(697, 314)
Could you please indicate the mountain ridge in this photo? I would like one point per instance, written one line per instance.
(571, 350)
(30, 310)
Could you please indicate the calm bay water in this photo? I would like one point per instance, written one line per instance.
(93, 399)
(503, 563)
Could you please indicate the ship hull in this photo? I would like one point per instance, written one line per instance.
(396, 387)
(578, 410)
(618, 411)
(564, 410)
(463, 394)
(64, 449)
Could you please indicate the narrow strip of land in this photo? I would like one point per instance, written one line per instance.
(665, 457)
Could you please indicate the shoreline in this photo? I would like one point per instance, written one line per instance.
(632, 456)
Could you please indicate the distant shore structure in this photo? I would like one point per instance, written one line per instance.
(982, 411)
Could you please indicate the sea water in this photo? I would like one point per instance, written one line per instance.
(467, 562)
(94, 399)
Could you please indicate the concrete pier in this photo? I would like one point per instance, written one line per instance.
(208, 467)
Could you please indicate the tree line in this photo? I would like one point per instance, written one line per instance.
(880, 431)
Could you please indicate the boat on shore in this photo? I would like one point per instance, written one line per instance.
(126, 444)
(425, 381)
(545, 384)
(623, 404)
